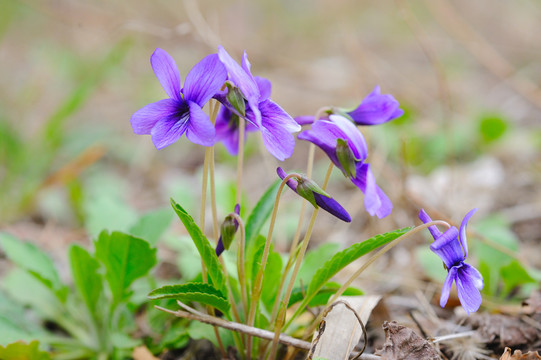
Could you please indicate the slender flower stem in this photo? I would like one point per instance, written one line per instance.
(213, 112)
(240, 265)
(240, 159)
(294, 243)
(298, 262)
(204, 184)
(374, 257)
(256, 289)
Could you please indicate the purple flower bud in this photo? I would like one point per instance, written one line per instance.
(315, 195)
(452, 248)
(227, 231)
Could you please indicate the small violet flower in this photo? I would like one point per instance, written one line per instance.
(374, 109)
(315, 195)
(452, 248)
(228, 229)
(166, 120)
(344, 144)
(260, 112)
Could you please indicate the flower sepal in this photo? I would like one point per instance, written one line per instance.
(235, 98)
(346, 158)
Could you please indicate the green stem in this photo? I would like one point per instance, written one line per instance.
(298, 262)
(294, 243)
(240, 159)
(256, 289)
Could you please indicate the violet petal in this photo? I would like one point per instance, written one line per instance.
(265, 87)
(467, 287)
(144, 119)
(462, 235)
(448, 248)
(204, 80)
(426, 219)
(200, 129)
(447, 285)
(166, 71)
(168, 130)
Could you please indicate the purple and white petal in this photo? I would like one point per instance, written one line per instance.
(376, 109)
(272, 113)
(447, 247)
(462, 235)
(265, 87)
(375, 200)
(200, 129)
(168, 130)
(144, 119)
(426, 219)
(447, 285)
(204, 80)
(166, 71)
(278, 142)
(242, 79)
(467, 287)
(355, 138)
(324, 134)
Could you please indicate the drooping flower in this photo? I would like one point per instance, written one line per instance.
(345, 146)
(452, 247)
(259, 111)
(374, 109)
(167, 120)
(315, 195)
(227, 231)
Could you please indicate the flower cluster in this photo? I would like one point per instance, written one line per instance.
(245, 97)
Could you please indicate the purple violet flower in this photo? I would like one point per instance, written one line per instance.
(228, 229)
(166, 120)
(344, 144)
(374, 109)
(327, 203)
(452, 248)
(261, 113)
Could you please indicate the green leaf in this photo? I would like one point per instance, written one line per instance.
(86, 277)
(28, 290)
(514, 275)
(347, 256)
(312, 262)
(30, 258)
(152, 225)
(200, 292)
(22, 351)
(271, 279)
(492, 127)
(323, 295)
(126, 258)
(206, 251)
(497, 231)
(261, 212)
